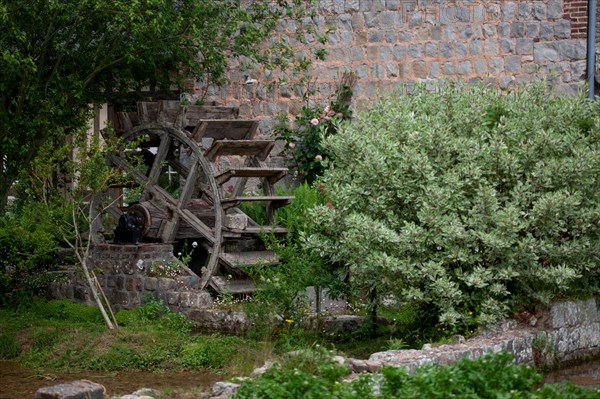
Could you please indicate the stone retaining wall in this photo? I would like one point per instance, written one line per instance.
(129, 274)
(569, 332)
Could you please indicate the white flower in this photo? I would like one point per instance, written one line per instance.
(194, 244)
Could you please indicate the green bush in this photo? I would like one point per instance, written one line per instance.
(28, 250)
(490, 377)
(466, 200)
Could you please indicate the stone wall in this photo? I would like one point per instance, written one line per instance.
(388, 43)
(129, 274)
(570, 331)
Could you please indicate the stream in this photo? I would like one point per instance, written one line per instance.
(17, 382)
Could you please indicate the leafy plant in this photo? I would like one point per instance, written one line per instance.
(492, 377)
(466, 200)
(306, 154)
(281, 298)
(28, 249)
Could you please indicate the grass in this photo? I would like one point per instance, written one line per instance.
(66, 337)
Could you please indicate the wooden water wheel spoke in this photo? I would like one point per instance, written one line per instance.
(128, 168)
(187, 192)
(159, 158)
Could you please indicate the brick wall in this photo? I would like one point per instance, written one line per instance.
(576, 11)
(389, 43)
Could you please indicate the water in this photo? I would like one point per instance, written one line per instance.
(586, 375)
(21, 383)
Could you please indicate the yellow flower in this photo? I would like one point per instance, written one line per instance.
(289, 321)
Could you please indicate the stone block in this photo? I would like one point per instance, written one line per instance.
(532, 29)
(525, 46)
(460, 50)
(464, 68)
(375, 36)
(570, 314)
(431, 50)
(507, 46)
(405, 36)
(133, 283)
(517, 29)
(120, 282)
(480, 66)
(544, 52)
(150, 283)
(371, 19)
(391, 36)
(504, 29)
(539, 10)
(572, 49)
(121, 298)
(391, 70)
(386, 53)
(415, 50)
(446, 50)
(476, 47)
(513, 64)
(165, 284)
(508, 10)
(524, 11)
(491, 47)
(420, 69)
(562, 29)
(172, 298)
(79, 389)
(449, 68)
(434, 70)
(555, 9)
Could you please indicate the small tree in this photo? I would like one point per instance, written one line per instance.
(466, 200)
(59, 57)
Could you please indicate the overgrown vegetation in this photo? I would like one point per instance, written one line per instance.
(62, 336)
(305, 153)
(310, 376)
(465, 201)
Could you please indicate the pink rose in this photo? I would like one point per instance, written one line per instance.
(329, 205)
(314, 121)
(319, 158)
(291, 145)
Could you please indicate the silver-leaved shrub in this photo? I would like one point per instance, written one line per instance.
(466, 199)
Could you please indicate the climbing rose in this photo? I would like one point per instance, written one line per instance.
(291, 145)
(319, 158)
(329, 205)
(314, 121)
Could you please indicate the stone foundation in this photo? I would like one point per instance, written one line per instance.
(569, 332)
(130, 274)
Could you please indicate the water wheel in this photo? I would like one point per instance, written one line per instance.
(189, 168)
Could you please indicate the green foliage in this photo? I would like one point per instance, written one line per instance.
(306, 154)
(28, 249)
(63, 336)
(156, 314)
(60, 57)
(281, 296)
(209, 353)
(308, 375)
(466, 200)
(488, 377)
